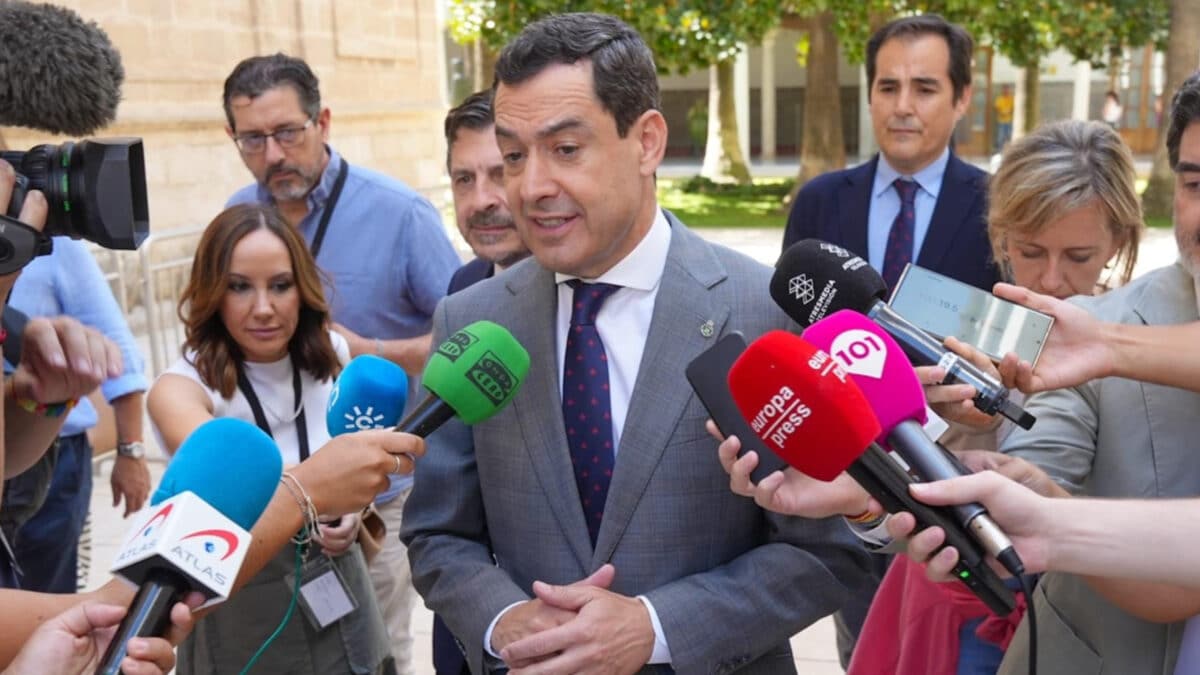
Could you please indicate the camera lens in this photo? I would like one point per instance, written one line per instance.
(95, 189)
(6, 250)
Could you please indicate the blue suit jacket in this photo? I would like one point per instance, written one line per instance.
(833, 207)
(471, 272)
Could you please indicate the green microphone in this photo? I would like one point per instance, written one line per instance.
(472, 376)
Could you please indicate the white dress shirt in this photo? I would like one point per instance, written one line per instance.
(623, 323)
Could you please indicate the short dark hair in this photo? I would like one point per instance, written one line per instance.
(623, 69)
(475, 113)
(259, 74)
(958, 40)
(1185, 109)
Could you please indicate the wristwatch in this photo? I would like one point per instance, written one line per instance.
(135, 450)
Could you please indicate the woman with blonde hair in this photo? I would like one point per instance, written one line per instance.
(1063, 207)
(1064, 219)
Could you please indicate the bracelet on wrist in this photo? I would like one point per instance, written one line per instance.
(861, 518)
(46, 409)
(308, 510)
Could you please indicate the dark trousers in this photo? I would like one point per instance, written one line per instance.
(448, 659)
(47, 545)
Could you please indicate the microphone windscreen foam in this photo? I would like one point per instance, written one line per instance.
(58, 73)
(370, 393)
(878, 365)
(814, 279)
(477, 370)
(802, 404)
(232, 465)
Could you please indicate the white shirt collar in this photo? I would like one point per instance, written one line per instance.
(643, 268)
(929, 178)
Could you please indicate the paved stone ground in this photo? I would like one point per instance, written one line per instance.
(814, 647)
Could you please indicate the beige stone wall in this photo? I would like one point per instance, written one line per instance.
(378, 61)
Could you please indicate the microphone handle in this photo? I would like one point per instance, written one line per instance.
(432, 413)
(148, 616)
(922, 349)
(888, 483)
(931, 461)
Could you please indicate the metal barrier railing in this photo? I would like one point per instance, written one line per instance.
(162, 284)
(158, 285)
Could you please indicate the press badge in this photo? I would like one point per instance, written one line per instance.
(324, 596)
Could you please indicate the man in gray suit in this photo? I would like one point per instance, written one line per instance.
(614, 544)
(1115, 437)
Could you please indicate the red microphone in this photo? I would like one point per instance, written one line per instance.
(786, 388)
(805, 408)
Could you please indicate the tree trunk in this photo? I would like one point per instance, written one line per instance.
(723, 158)
(1033, 96)
(1115, 58)
(484, 64)
(1183, 55)
(822, 142)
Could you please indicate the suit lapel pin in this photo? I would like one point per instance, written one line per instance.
(706, 328)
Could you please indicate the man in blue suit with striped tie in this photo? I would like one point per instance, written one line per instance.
(915, 201)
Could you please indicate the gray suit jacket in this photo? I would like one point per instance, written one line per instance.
(495, 506)
(1111, 438)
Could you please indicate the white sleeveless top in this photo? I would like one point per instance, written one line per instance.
(272, 383)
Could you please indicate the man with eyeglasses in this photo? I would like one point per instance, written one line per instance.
(383, 247)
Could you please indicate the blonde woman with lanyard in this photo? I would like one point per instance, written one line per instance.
(259, 348)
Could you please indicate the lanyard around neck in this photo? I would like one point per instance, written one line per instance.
(330, 205)
(260, 418)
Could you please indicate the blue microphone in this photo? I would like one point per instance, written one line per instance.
(202, 463)
(369, 394)
(195, 535)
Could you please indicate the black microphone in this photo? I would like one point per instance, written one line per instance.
(61, 73)
(814, 278)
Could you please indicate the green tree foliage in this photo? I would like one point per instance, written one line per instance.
(684, 35)
(1093, 31)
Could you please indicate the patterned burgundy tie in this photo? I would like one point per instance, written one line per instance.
(899, 251)
(587, 414)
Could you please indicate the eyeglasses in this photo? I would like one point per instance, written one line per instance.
(254, 143)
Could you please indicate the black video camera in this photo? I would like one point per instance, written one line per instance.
(95, 189)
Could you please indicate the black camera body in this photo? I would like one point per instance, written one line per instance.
(95, 190)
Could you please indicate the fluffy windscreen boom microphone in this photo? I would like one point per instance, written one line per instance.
(803, 405)
(58, 73)
(814, 279)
